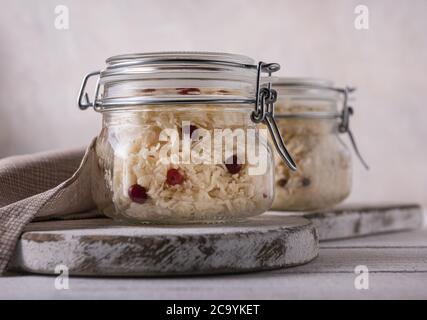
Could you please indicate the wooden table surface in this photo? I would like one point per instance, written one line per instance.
(397, 264)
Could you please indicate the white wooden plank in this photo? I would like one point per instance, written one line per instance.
(350, 221)
(404, 239)
(266, 285)
(393, 275)
(376, 259)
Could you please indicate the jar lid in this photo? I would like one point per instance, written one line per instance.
(309, 90)
(180, 59)
(303, 82)
(179, 65)
(124, 84)
(313, 89)
(125, 80)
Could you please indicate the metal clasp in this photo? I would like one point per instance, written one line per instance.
(264, 111)
(83, 94)
(344, 126)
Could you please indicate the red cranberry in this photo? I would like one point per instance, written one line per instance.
(232, 165)
(174, 177)
(223, 91)
(282, 182)
(137, 193)
(185, 91)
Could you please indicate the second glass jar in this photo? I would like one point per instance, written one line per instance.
(309, 118)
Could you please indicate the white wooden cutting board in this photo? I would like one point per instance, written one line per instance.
(102, 247)
(362, 220)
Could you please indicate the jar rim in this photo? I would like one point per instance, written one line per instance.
(313, 85)
(303, 82)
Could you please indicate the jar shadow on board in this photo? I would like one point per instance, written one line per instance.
(309, 120)
(178, 142)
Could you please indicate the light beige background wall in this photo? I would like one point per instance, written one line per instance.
(41, 68)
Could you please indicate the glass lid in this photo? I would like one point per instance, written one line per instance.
(182, 56)
(186, 78)
(175, 77)
(181, 65)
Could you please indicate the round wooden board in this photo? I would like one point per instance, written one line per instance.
(362, 220)
(102, 247)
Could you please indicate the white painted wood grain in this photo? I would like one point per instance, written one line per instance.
(376, 259)
(358, 220)
(393, 275)
(397, 264)
(265, 285)
(402, 239)
(103, 248)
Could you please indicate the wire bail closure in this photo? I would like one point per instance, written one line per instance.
(344, 126)
(83, 105)
(264, 111)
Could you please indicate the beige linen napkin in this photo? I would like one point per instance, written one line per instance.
(42, 186)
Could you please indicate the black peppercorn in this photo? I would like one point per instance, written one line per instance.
(306, 182)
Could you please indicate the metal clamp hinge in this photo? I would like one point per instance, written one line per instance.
(264, 112)
(344, 126)
(83, 100)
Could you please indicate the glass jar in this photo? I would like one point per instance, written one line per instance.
(180, 141)
(310, 118)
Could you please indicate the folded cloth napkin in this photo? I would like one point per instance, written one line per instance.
(42, 186)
